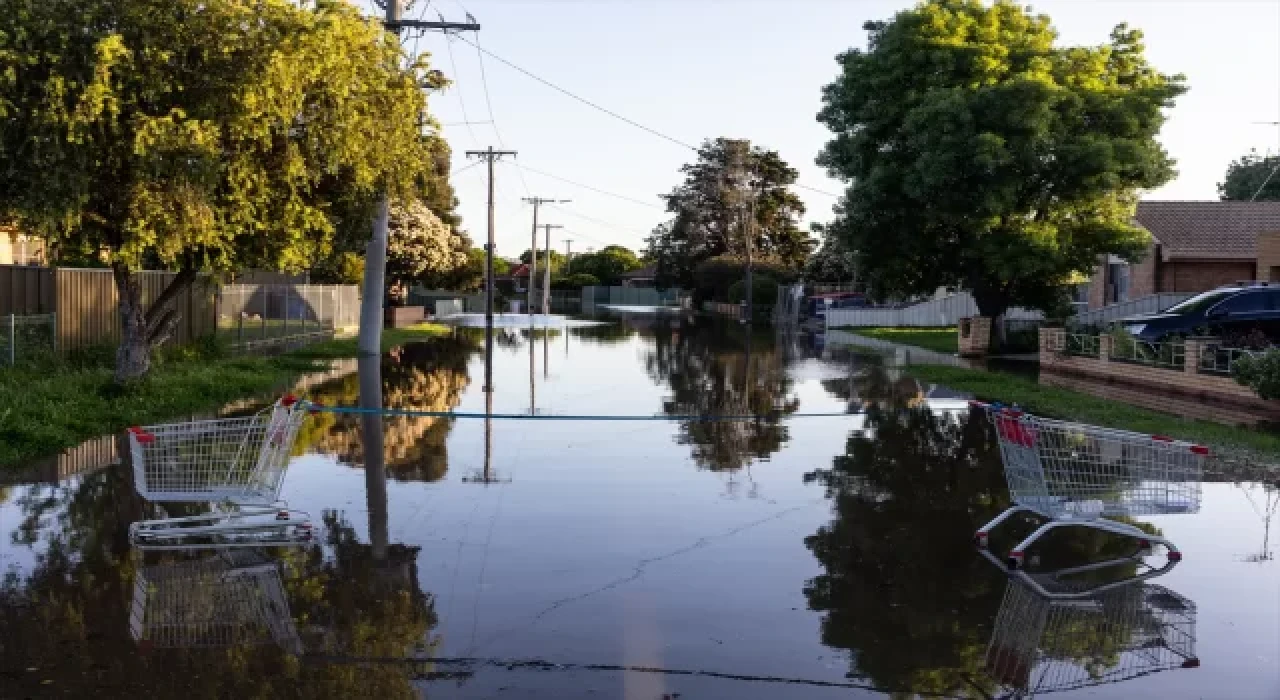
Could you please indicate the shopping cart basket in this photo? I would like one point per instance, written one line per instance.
(230, 599)
(1079, 475)
(1045, 645)
(238, 464)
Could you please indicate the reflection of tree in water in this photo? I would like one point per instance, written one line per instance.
(903, 589)
(428, 376)
(66, 621)
(721, 371)
(603, 334)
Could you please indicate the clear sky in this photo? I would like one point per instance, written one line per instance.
(697, 69)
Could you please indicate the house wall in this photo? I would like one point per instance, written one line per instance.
(1098, 284)
(1193, 276)
(1269, 256)
(1142, 275)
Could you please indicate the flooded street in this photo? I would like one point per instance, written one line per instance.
(802, 557)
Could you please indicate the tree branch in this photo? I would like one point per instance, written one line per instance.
(159, 312)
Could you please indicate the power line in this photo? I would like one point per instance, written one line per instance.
(602, 222)
(593, 105)
(488, 103)
(583, 100)
(461, 103)
(623, 197)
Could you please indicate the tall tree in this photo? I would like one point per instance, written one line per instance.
(980, 155)
(833, 262)
(202, 135)
(1250, 175)
(709, 212)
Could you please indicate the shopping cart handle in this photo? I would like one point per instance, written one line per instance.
(288, 400)
(141, 435)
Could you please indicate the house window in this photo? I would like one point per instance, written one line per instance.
(1117, 282)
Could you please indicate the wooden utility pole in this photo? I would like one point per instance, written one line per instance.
(491, 156)
(375, 253)
(568, 255)
(533, 247)
(546, 278)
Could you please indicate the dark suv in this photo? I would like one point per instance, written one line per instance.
(1233, 309)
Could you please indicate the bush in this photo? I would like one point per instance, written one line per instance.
(577, 280)
(1259, 372)
(764, 290)
(713, 277)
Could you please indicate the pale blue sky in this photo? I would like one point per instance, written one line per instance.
(752, 69)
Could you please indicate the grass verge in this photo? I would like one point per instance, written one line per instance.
(937, 339)
(1070, 405)
(50, 406)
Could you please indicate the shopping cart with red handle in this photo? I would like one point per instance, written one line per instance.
(237, 464)
(1076, 475)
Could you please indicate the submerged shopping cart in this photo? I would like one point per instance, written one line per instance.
(232, 598)
(236, 464)
(1044, 645)
(1080, 475)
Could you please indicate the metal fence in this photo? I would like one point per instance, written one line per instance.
(1215, 359)
(935, 313)
(1134, 351)
(250, 315)
(1080, 344)
(28, 336)
(1144, 305)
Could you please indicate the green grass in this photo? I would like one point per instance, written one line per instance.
(937, 339)
(230, 331)
(50, 406)
(1075, 406)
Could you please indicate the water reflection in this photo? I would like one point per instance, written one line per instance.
(714, 369)
(902, 588)
(428, 376)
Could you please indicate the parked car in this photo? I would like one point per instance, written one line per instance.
(1229, 310)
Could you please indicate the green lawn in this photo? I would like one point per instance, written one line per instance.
(937, 339)
(1070, 405)
(231, 331)
(57, 404)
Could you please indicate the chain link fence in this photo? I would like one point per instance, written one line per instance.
(23, 337)
(252, 315)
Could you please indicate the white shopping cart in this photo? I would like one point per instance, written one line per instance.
(237, 464)
(1042, 645)
(1079, 475)
(232, 598)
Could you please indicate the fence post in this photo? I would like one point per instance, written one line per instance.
(13, 347)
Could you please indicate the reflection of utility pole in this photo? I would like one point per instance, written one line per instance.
(532, 405)
(375, 255)
(375, 466)
(486, 475)
(489, 155)
(545, 342)
(546, 276)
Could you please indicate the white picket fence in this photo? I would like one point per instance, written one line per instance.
(935, 313)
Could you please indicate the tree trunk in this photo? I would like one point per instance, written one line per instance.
(141, 328)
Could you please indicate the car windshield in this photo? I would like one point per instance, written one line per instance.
(1200, 302)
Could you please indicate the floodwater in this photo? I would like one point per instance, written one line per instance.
(802, 557)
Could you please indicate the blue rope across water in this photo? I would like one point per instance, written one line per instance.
(413, 413)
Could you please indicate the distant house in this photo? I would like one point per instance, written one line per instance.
(640, 278)
(1196, 245)
(19, 248)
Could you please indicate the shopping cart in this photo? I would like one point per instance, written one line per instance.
(232, 598)
(1079, 475)
(237, 464)
(1044, 645)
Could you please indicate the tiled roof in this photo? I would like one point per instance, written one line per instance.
(1208, 229)
(520, 270)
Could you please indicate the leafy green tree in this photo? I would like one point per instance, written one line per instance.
(577, 280)
(832, 263)
(203, 135)
(709, 212)
(982, 156)
(713, 278)
(607, 264)
(1259, 372)
(1252, 174)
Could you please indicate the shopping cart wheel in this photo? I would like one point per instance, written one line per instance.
(980, 540)
(1014, 561)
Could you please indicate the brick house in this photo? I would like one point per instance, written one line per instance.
(1195, 245)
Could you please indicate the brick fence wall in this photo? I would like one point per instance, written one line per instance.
(1185, 383)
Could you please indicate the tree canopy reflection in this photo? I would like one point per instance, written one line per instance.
(902, 588)
(66, 619)
(429, 376)
(722, 370)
